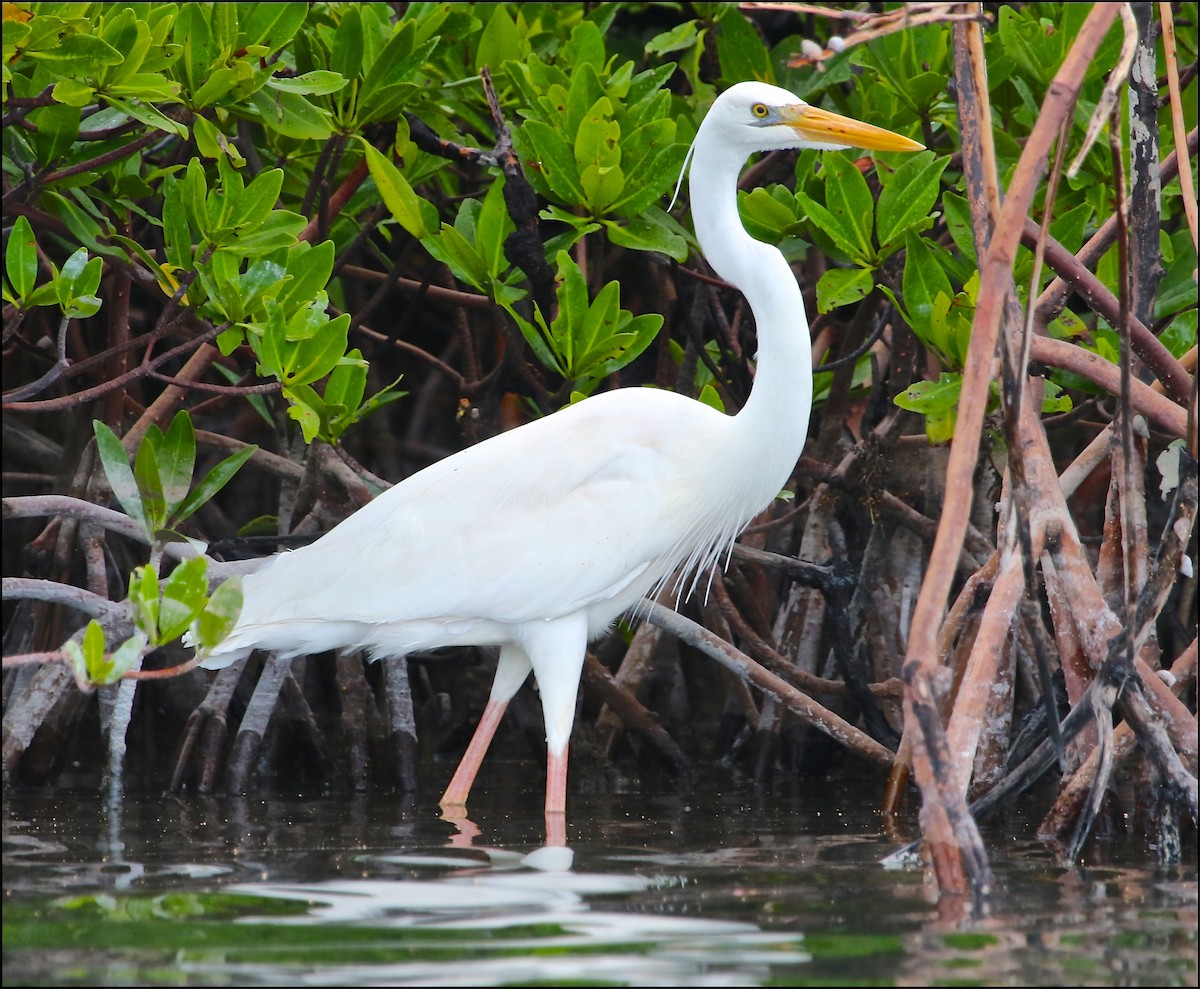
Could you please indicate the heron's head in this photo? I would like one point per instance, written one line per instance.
(760, 117)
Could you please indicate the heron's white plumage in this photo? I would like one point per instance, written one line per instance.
(567, 513)
(538, 538)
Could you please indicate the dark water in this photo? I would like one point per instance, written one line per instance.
(723, 884)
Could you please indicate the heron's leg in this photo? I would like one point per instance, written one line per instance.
(511, 670)
(556, 650)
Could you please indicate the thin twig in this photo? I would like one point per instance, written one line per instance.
(1177, 126)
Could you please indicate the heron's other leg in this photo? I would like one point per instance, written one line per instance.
(511, 670)
(557, 649)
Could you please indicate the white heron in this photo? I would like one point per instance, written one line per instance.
(537, 539)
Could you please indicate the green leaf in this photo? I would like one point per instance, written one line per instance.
(20, 259)
(842, 286)
(149, 480)
(385, 396)
(770, 214)
(492, 229)
(270, 346)
(219, 84)
(346, 55)
(93, 651)
(711, 397)
(292, 115)
(304, 412)
(319, 82)
(653, 230)
(1055, 400)
(83, 225)
(58, 127)
(219, 614)
(500, 39)
(396, 63)
(73, 92)
(82, 306)
(127, 34)
(932, 396)
(646, 91)
(958, 222)
(634, 336)
(211, 143)
(387, 103)
(120, 477)
(347, 382)
(651, 160)
(88, 280)
(193, 33)
(279, 230)
(184, 595)
(220, 200)
(176, 234)
(572, 310)
(585, 47)
(225, 33)
(147, 87)
(924, 279)
(597, 142)
(937, 401)
(177, 461)
(309, 269)
(144, 598)
(586, 342)
(76, 285)
(317, 356)
(453, 249)
(75, 656)
(271, 24)
(845, 238)
(87, 53)
(848, 200)
(599, 324)
(126, 657)
(253, 205)
(227, 342)
(212, 482)
(584, 91)
(415, 214)
(195, 196)
(1026, 40)
(909, 196)
(537, 334)
(679, 38)
(740, 48)
(601, 187)
(554, 161)
(262, 279)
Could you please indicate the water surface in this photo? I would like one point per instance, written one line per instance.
(721, 883)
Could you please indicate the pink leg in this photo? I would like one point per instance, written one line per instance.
(460, 786)
(556, 830)
(556, 782)
(556, 652)
(556, 799)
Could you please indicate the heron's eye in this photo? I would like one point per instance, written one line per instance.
(760, 110)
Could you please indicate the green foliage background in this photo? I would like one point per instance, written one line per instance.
(302, 223)
(190, 150)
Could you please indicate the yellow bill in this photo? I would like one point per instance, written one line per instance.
(823, 127)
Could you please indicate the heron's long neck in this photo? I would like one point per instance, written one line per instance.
(779, 403)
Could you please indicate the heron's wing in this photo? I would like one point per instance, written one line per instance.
(534, 523)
